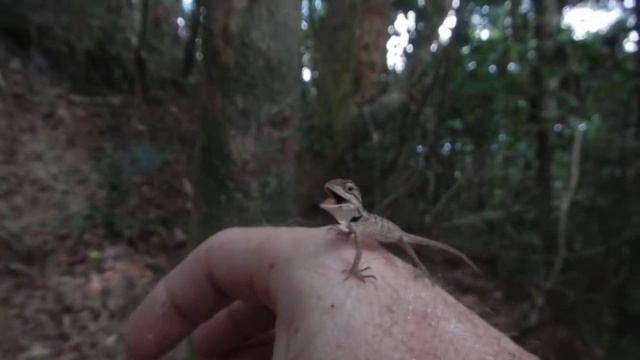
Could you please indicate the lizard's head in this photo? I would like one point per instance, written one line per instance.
(343, 200)
(342, 191)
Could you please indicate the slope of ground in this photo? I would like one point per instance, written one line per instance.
(94, 207)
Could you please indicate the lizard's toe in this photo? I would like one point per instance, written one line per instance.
(358, 274)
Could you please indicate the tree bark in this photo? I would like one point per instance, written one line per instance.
(246, 146)
(371, 42)
(543, 110)
(327, 130)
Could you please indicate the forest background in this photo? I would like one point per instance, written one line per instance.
(133, 129)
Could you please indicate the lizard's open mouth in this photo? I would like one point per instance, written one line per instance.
(333, 198)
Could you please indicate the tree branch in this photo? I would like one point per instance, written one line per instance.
(565, 205)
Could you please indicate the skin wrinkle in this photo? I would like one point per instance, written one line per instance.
(216, 275)
(148, 342)
(226, 333)
(209, 296)
(175, 306)
(235, 321)
(257, 351)
(260, 262)
(209, 272)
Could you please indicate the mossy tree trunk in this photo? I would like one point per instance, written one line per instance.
(326, 131)
(245, 151)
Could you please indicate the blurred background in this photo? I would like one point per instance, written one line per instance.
(130, 130)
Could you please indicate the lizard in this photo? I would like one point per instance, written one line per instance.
(344, 203)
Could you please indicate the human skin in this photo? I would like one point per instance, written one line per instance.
(280, 293)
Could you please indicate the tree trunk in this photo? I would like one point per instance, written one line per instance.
(245, 151)
(543, 112)
(326, 132)
(189, 55)
(371, 43)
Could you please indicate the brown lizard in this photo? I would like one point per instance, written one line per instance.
(344, 203)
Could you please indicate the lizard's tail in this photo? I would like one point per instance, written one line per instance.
(418, 240)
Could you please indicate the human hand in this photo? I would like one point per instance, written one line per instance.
(262, 293)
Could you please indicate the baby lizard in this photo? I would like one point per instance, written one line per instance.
(344, 203)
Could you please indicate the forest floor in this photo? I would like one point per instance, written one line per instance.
(94, 208)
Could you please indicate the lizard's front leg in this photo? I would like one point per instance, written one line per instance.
(341, 230)
(355, 269)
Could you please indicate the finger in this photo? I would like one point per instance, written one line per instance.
(233, 264)
(231, 328)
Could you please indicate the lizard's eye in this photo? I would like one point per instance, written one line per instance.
(350, 188)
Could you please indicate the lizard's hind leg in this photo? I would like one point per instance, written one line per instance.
(412, 254)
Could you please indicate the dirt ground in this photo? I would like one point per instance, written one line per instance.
(94, 208)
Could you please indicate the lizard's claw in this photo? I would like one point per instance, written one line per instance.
(341, 231)
(358, 274)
